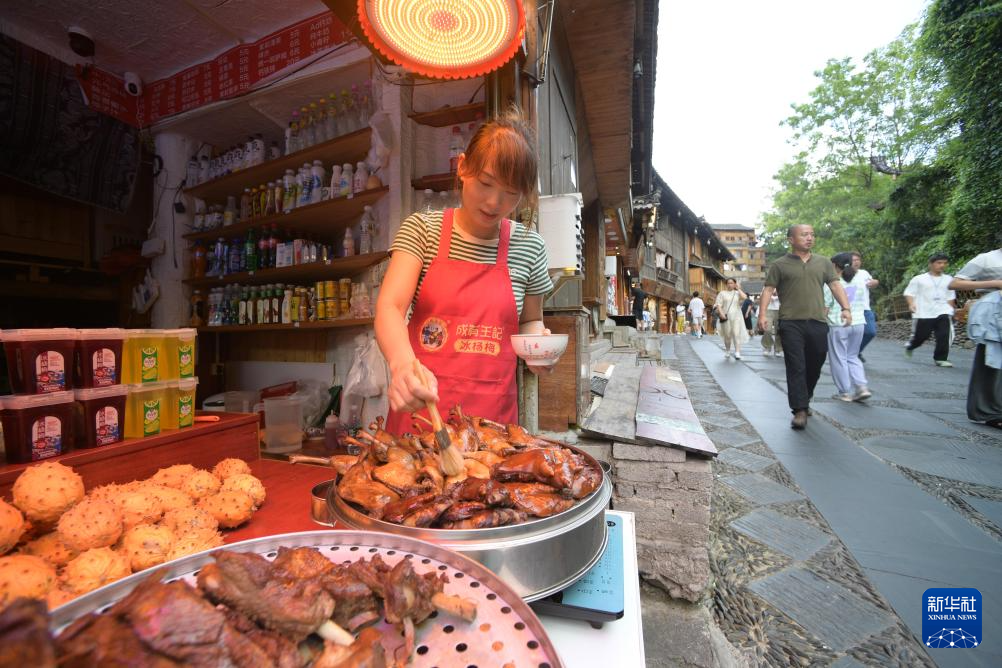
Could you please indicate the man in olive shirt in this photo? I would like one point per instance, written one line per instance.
(799, 278)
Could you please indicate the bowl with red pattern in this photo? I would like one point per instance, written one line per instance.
(539, 349)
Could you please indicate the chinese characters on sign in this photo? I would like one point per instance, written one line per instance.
(235, 72)
(479, 339)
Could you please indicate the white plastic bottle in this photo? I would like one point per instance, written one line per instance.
(428, 206)
(348, 244)
(306, 178)
(319, 177)
(335, 189)
(191, 175)
(361, 178)
(365, 232)
(259, 150)
(347, 178)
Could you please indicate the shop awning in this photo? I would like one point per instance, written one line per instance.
(706, 266)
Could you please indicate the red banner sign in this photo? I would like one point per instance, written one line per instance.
(233, 73)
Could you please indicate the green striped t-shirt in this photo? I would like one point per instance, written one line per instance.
(419, 235)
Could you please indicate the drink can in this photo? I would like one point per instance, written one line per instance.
(333, 310)
(330, 289)
(321, 309)
(321, 289)
(344, 286)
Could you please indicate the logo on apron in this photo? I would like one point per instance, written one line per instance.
(433, 335)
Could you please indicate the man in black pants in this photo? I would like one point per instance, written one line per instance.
(932, 303)
(799, 278)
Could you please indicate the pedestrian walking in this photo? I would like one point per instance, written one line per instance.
(799, 277)
(747, 311)
(696, 310)
(771, 343)
(638, 304)
(932, 303)
(984, 393)
(844, 342)
(870, 328)
(728, 311)
(680, 319)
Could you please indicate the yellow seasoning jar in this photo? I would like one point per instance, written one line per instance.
(145, 409)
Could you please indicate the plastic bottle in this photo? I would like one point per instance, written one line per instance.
(269, 199)
(428, 206)
(245, 205)
(236, 256)
(335, 190)
(348, 244)
(198, 260)
(307, 132)
(306, 178)
(242, 309)
(203, 169)
(365, 232)
(250, 252)
(273, 247)
(319, 177)
(259, 150)
(290, 141)
(262, 249)
(287, 306)
(255, 204)
(279, 195)
(289, 194)
(274, 152)
(275, 304)
(330, 118)
(456, 148)
(361, 178)
(262, 194)
(348, 111)
(191, 173)
(347, 178)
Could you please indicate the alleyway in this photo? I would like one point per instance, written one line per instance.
(843, 526)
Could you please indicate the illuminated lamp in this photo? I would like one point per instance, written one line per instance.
(444, 39)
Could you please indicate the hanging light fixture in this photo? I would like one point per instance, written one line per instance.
(444, 39)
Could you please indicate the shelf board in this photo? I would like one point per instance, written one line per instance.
(440, 118)
(300, 326)
(436, 182)
(327, 217)
(339, 268)
(346, 148)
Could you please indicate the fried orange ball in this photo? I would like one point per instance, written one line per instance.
(45, 491)
(230, 467)
(173, 476)
(170, 498)
(24, 575)
(193, 543)
(138, 506)
(11, 526)
(185, 521)
(201, 484)
(94, 568)
(52, 549)
(244, 482)
(147, 545)
(91, 523)
(58, 596)
(231, 508)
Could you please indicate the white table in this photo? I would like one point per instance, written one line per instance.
(617, 644)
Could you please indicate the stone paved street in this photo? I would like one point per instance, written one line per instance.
(823, 541)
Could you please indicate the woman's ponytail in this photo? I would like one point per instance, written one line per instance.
(843, 262)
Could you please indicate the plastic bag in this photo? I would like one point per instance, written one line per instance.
(314, 396)
(364, 396)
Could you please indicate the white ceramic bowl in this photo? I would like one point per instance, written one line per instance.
(539, 349)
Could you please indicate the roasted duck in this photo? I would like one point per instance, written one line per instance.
(509, 475)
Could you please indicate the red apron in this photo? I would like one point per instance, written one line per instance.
(460, 329)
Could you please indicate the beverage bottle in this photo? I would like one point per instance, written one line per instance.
(255, 204)
(262, 249)
(217, 259)
(248, 157)
(346, 180)
(348, 112)
(249, 260)
(307, 136)
(264, 306)
(316, 119)
(289, 194)
(304, 304)
(236, 256)
(274, 152)
(335, 190)
(361, 178)
(348, 244)
(279, 195)
(191, 173)
(245, 205)
(275, 304)
(197, 318)
(198, 260)
(242, 312)
(287, 306)
(259, 152)
(289, 139)
(273, 247)
(269, 199)
(319, 177)
(298, 128)
(456, 148)
(306, 179)
(365, 232)
(262, 194)
(203, 169)
(362, 94)
(429, 201)
(330, 118)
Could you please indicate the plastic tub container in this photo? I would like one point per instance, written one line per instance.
(283, 424)
(36, 426)
(145, 357)
(39, 360)
(180, 353)
(145, 409)
(100, 415)
(182, 404)
(98, 358)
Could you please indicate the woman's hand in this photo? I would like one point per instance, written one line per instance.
(406, 392)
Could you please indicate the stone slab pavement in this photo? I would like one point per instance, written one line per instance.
(899, 513)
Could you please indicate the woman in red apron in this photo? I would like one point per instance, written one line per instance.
(467, 299)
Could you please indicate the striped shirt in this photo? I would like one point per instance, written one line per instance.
(420, 233)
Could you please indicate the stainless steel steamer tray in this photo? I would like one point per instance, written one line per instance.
(536, 558)
(505, 632)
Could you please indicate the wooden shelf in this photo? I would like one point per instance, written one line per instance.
(440, 118)
(296, 326)
(327, 218)
(317, 271)
(436, 182)
(346, 148)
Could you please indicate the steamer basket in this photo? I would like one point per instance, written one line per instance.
(535, 558)
(505, 632)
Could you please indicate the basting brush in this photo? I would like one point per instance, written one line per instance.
(450, 456)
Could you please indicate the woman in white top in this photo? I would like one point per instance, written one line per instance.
(732, 324)
(844, 341)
